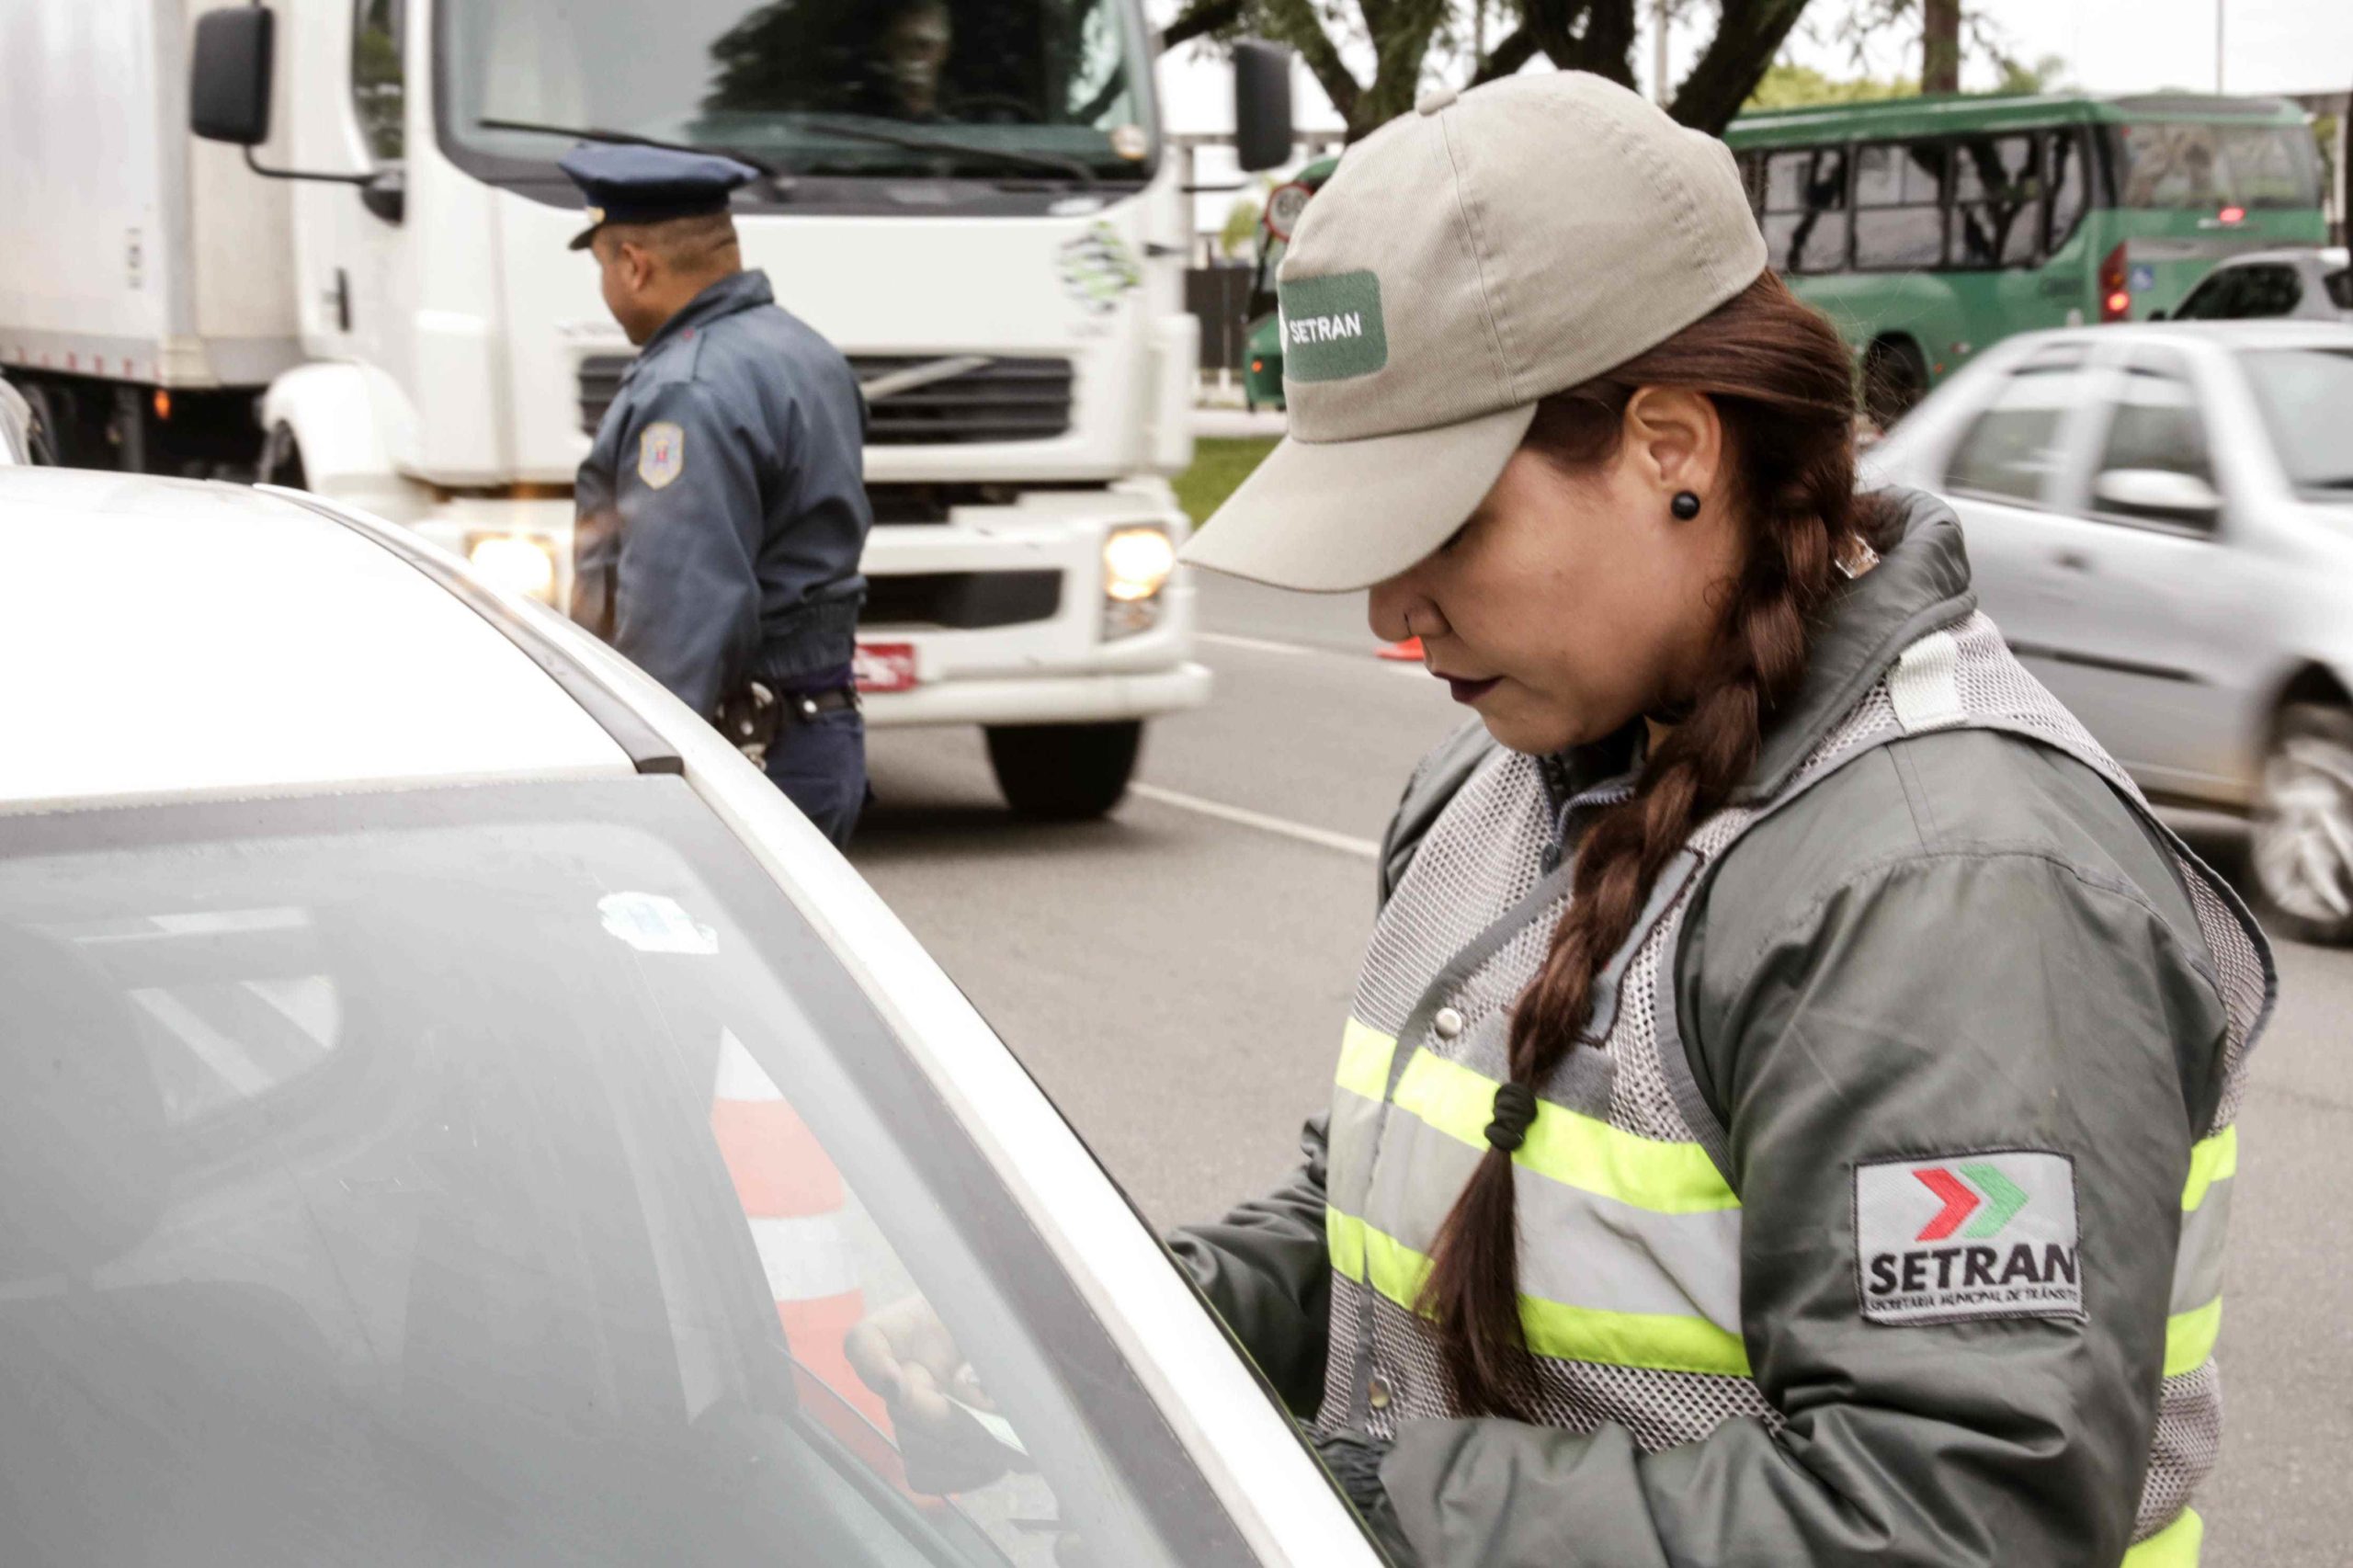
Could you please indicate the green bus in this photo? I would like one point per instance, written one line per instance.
(1262, 366)
(1929, 228)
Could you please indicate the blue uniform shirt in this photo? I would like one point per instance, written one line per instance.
(722, 507)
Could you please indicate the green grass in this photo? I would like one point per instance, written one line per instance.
(1219, 465)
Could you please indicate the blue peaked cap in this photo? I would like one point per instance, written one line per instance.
(626, 183)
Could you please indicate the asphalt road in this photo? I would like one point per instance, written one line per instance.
(1176, 977)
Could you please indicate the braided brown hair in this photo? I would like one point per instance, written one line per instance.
(1783, 385)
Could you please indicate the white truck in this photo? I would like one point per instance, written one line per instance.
(360, 285)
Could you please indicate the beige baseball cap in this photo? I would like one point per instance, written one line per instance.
(1489, 249)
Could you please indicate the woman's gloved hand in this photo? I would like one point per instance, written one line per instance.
(904, 1353)
(1354, 1458)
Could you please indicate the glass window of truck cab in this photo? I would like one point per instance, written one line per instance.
(495, 1175)
(1001, 90)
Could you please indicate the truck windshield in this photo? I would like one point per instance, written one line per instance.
(492, 1177)
(2188, 165)
(792, 82)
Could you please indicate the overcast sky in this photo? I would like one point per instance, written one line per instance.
(2269, 46)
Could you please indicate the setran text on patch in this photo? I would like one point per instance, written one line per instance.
(1973, 1236)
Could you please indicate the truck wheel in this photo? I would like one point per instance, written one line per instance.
(1063, 772)
(1894, 377)
(2304, 824)
(281, 459)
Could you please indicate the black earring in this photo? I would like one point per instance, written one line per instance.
(1685, 505)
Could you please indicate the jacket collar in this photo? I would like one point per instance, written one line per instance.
(737, 292)
(1921, 582)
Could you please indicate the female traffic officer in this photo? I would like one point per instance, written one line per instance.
(1786, 1115)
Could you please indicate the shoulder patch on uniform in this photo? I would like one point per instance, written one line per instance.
(661, 453)
(1989, 1235)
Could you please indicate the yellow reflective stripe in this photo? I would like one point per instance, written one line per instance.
(1661, 1341)
(1364, 1054)
(2176, 1546)
(2211, 1160)
(2189, 1338)
(1575, 1149)
(1344, 1239)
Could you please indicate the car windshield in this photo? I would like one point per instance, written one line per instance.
(2191, 165)
(2304, 394)
(489, 1176)
(1027, 89)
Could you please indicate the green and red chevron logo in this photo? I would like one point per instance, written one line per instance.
(1985, 1188)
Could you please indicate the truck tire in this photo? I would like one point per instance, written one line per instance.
(281, 459)
(1063, 772)
(2302, 837)
(1896, 376)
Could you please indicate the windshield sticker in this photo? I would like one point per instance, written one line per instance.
(653, 923)
(1130, 143)
(1099, 268)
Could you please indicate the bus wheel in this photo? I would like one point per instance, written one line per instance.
(1063, 772)
(1894, 377)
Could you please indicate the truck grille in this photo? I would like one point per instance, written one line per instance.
(1003, 400)
(966, 601)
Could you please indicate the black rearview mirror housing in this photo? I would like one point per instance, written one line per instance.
(1262, 129)
(228, 89)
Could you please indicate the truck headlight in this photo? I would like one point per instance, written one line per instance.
(1137, 563)
(516, 563)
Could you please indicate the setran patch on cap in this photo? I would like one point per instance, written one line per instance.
(1331, 327)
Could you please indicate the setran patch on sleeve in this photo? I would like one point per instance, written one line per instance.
(1978, 1235)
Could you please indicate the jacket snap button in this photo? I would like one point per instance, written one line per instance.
(1448, 1023)
(1376, 1392)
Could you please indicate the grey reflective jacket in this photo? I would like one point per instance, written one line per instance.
(1883, 1221)
(723, 506)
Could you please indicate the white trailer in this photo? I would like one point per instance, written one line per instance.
(997, 246)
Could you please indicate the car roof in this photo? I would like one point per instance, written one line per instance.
(166, 637)
(2326, 256)
(2265, 333)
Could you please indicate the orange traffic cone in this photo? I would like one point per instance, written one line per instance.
(793, 1195)
(1407, 652)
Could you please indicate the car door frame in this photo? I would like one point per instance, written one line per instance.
(2116, 679)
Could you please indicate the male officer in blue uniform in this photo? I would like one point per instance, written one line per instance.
(722, 507)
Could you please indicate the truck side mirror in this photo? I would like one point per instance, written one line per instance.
(1262, 134)
(228, 89)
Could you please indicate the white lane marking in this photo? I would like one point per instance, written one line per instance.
(1255, 644)
(1363, 849)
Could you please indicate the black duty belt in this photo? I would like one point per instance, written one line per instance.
(752, 716)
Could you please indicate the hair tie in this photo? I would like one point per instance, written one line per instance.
(1515, 1114)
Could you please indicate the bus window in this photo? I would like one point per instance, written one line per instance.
(1899, 211)
(1805, 210)
(2063, 153)
(2188, 164)
(1995, 191)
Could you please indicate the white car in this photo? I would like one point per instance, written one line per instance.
(22, 439)
(453, 1109)
(2160, 517)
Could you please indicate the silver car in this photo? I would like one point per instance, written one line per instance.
(2161, 519)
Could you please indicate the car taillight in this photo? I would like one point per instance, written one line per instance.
(2115, 294)
(2232, 215)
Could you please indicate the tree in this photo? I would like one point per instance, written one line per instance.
(1941, 46)
(1579, 35)
(1801, 86)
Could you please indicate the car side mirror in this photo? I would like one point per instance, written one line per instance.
(386, 195)
(1262, 129)
(2157, 493)
(228, 94)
